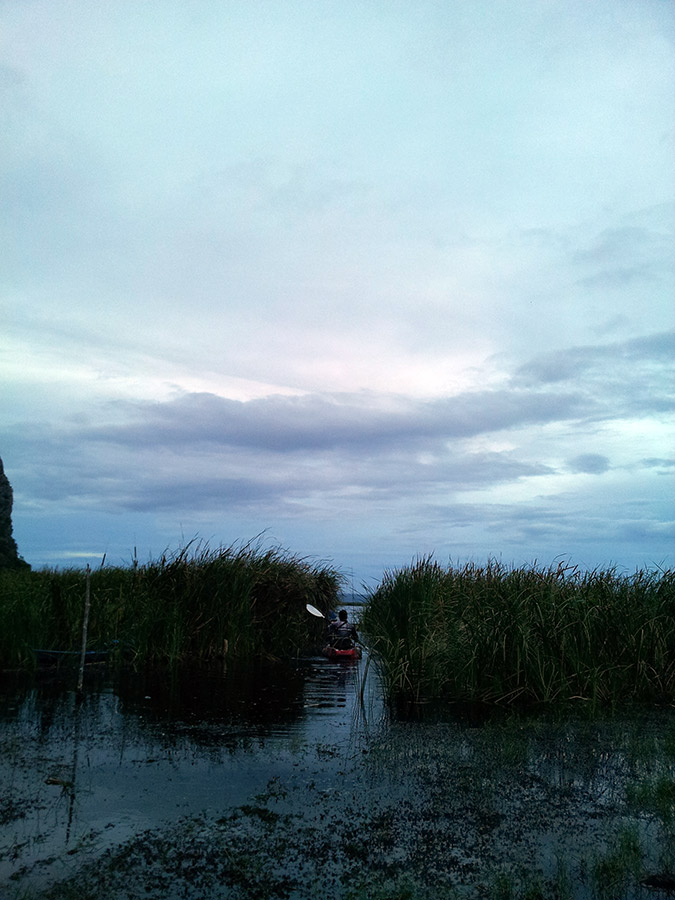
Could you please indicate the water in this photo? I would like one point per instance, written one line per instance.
(137, 750)
(297, 765)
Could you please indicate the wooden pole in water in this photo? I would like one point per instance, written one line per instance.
(85, 625)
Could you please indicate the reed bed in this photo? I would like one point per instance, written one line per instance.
(523, 635)
(193, 604)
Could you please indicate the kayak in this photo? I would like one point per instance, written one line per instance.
(334, 653)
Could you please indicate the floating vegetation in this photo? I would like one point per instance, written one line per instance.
(528, 636)
(194, 604)
(423, 812)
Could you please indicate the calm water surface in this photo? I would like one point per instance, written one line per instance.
(451, 803)
(138, 750)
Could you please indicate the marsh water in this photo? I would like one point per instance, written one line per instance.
(139, 749)
(292, 780)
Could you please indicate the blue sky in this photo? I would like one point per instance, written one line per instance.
(373, 280)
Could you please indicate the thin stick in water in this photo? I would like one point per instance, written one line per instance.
(85, 625)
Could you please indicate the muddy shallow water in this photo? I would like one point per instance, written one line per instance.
(290, 780)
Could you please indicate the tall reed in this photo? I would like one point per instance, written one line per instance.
(195, 603)
(497, 634)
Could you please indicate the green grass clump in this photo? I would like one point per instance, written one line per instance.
(529, 635)
(194, 604)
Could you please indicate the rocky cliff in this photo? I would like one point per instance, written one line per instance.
(9, 555)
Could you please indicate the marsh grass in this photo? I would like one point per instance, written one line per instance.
(619, 867)
(529, 635)
(609, 873)
(194, 604)
(656, 797)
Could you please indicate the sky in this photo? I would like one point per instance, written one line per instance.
(364, 281)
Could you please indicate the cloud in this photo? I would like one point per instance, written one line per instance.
(642, 359)
(282, 454)
(658, 463)
(273, 480)
(365, 421)
(271, 266)
(589, 464)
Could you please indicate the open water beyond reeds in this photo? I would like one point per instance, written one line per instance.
(290, 780)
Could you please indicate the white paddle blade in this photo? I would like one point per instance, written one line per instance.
(314, 611)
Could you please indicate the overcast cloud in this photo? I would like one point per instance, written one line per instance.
(374, 280)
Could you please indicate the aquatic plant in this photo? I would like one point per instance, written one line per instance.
(619, 867)
(529, 635)
(196, 603)
(657, 796)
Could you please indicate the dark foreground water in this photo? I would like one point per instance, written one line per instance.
(291, 781)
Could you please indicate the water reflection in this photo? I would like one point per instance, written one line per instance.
(137, 749)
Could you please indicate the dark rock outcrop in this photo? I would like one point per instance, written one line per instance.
(9, 554)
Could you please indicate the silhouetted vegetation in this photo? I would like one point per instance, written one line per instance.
(195, 604)
(500, 635)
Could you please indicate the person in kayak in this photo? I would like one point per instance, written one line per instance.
(342, 634)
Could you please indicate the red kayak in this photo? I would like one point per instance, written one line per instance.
(335, 653)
